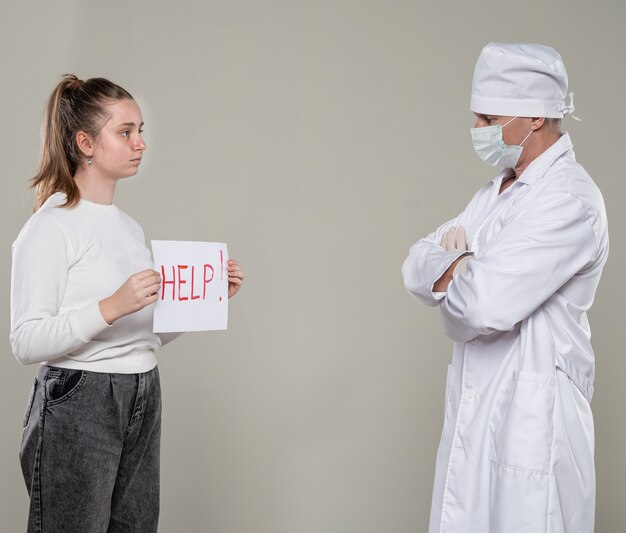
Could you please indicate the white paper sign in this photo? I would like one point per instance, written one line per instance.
(194, 286)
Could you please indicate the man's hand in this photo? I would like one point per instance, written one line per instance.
(453, 240)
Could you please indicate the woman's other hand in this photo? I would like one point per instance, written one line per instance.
(235, 277)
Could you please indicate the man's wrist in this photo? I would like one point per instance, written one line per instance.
(441, 285)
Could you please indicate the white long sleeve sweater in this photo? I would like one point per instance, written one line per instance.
(64, 262)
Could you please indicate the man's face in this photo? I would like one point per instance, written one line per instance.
(513, 133)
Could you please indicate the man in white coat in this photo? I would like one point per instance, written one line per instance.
(513, 276)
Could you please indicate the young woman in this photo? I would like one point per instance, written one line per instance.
(82, 290)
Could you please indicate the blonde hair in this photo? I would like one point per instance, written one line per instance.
(74, 105)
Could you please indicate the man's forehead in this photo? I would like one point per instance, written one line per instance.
(489, 115)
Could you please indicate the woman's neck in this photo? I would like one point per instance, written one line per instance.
(93, 188)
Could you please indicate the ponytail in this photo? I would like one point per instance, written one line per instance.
(73, 106)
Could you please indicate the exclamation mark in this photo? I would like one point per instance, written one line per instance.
(221, 268)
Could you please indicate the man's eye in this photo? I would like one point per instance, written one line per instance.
(126, 133)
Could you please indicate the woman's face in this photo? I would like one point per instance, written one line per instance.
(120, 147)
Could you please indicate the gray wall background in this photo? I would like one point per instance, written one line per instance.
(319, 139)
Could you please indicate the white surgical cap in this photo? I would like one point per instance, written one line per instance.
(524, 80)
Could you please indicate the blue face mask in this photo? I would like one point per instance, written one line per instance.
(490, 147)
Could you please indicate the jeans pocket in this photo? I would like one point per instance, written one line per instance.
(523, 429)
(62, 383)
(29, 403)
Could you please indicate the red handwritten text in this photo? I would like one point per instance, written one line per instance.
(183, 283)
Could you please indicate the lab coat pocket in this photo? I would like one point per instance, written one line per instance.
(519, 500)
(523, 425)
(520, 477)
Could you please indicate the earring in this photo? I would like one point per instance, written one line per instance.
(89, 161)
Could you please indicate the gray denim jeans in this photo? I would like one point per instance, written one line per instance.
(90, 452)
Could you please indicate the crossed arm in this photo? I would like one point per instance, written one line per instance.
(515, 272)
(453, 240)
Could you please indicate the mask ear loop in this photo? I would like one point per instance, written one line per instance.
(520, 144)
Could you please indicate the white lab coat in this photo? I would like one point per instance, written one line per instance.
(516, 451)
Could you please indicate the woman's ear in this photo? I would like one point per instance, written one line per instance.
(85, 143)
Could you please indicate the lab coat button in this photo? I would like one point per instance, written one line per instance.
(470, 393)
